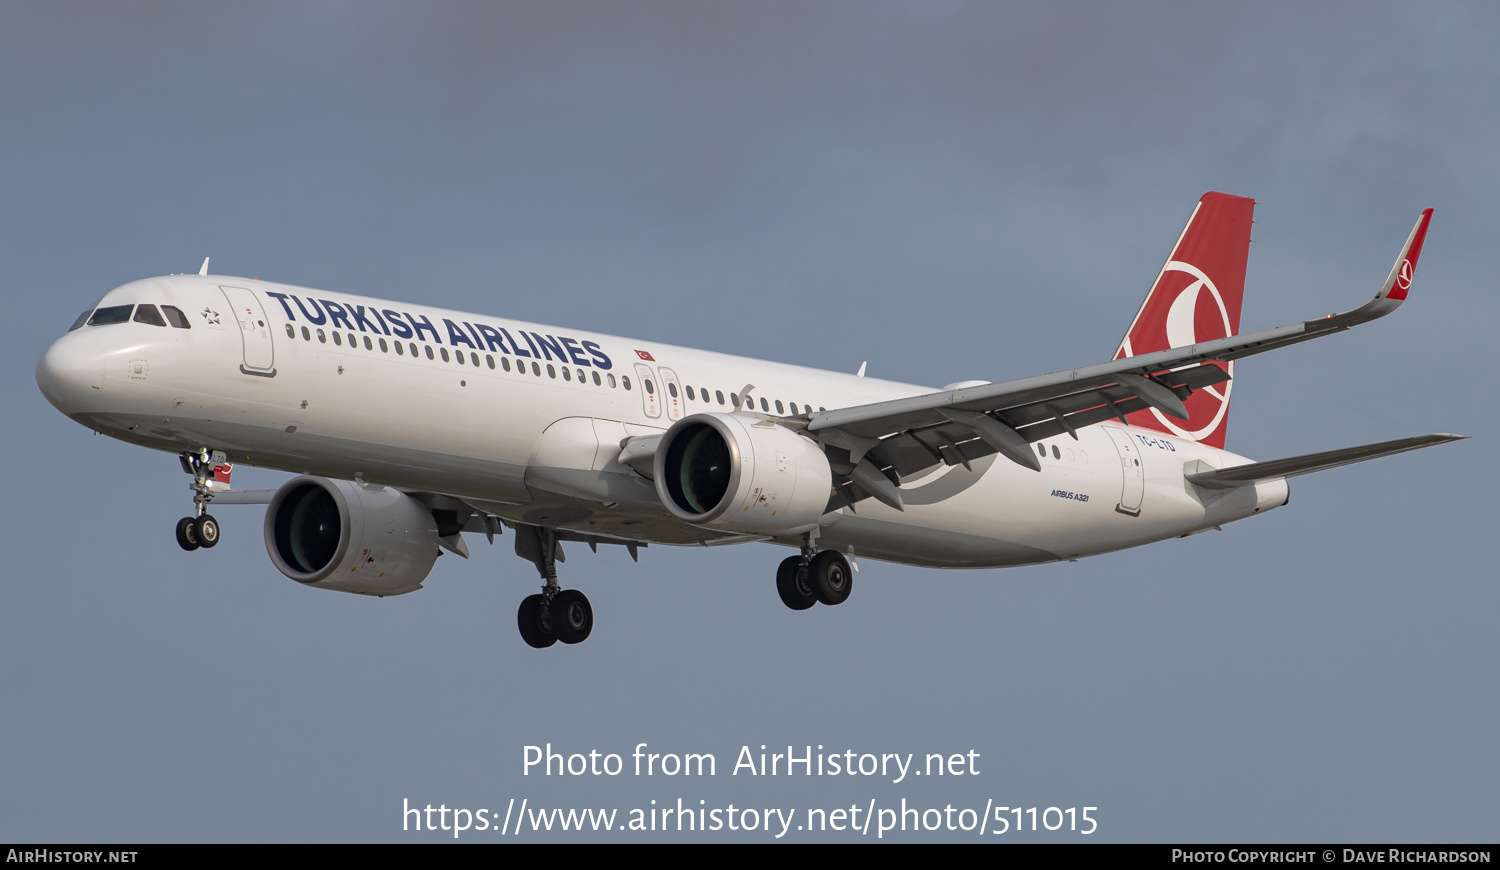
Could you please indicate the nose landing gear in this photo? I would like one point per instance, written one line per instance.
(200, 530)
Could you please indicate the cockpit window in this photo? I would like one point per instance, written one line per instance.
(111, 314)
(149, 314)
(82, 319)
(176, 317)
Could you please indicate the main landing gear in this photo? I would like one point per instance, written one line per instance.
(814, 576)
(200, 530)
(555, 614)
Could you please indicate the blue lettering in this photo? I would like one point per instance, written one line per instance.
(512, 342)
(400, 328)
(422, 325)
(281, 297)
(492, 338)
(534, 352)
(550, 344)
(337, 315)
(455, 335)
(478, 342)
(600, 359)
(317, 321)
(575, 352)
(362, 320)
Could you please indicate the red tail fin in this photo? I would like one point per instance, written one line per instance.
(1197, 298)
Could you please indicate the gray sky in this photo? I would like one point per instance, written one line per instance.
(948, 190)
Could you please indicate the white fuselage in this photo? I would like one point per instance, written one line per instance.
(533, 431)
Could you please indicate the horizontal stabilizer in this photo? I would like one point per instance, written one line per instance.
(1249, 475)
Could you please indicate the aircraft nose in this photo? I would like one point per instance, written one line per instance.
(71, 373)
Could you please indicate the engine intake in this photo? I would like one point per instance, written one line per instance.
(350, 537)
(728, 472)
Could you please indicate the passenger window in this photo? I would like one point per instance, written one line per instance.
(581, 377)
(353, 341)
(505, 363)
(149, 315)
(596, 379)
(323, 339)
(112, 314)
(1056, 454)
(690, 393)
(611, 382)
(778, 407)
(489, 361)
(429, 350)
(414, 351)
(84, 318)
(444, 352)
(306, 335)
(338, 338)
(650, 388)
(719, 394)
(536, 369)
(176, 317)
(368, 345)
(750, 403)
(1042, 449)
(474, 359)
(625, 381)
(458, 357)
(400, 348)
(290, 332)
(567, 374)
(765, 406)
(734, 399)
(672, 390)
(551, 373)
(383, 346)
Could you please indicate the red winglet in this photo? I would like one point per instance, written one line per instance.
(1399, 282)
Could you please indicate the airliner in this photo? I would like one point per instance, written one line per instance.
(408, 426)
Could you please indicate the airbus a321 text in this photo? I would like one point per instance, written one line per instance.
(409, 426)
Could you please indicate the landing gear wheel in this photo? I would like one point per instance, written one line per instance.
(187, 534)
(830, 577)
(206, 530)
(571, 616)
(534, 630)
(793, 584)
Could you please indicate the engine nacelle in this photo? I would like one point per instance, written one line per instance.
(351, 537)
(723, 471)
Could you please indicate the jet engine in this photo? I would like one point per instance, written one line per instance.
(729, 472)
(351, 537)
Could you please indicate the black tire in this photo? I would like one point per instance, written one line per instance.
(187, 534)
(534, 630)
(830, 577)
(206, 530)
(793, 585)
(572, 616)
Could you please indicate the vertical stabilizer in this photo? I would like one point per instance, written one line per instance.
(1197, 298)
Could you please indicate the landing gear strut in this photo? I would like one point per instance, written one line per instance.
(555, 614)
(814, 576)
(200, 530)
